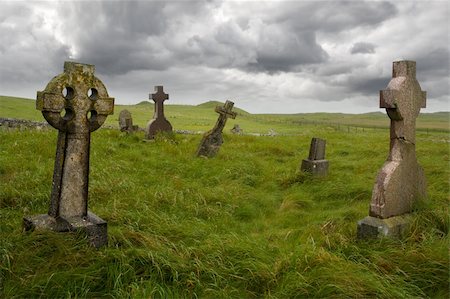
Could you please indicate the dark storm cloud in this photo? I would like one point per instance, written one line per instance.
(27, 52)
(362, 48)
(332, 16)
(129, 35)
(436, 60)
(124, 36)
(308, 50)
(293, 51)
(366, 85)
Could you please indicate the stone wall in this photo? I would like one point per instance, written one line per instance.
(22, 124)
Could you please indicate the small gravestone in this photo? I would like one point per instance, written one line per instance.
(159, 123)
(126, 122)
(86, 104)
(236, 129)
(401, 181)
(272, 133)
(316, 163)
(212, 140)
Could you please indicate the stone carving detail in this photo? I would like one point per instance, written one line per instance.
(84, 100)
(212, 140)
(316, 163)
(159, 123)
(401, 181)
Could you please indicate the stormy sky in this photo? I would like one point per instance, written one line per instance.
(266, 56)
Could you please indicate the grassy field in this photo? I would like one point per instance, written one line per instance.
(202, 117)
(246, 224)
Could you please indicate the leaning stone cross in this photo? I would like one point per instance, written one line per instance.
(159, 123)
(316, 163)
(401, 181)
(85, 103)
(212, 140)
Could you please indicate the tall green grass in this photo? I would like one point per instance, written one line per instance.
(245, 224)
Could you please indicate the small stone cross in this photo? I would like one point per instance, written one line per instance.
(83, 99)
(401, 181)
(212, 140)
(224, 112)
(159, 123)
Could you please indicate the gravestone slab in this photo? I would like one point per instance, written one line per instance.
(213, 139)
(126, 122)
(236, 129)
(316, 163)
(86, 104)
(401, 181)
(159, 123)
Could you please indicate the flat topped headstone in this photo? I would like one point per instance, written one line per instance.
(401, 181)
(213, 139)
(86, 104)
(317, 149)
(159, 123)
(316, 163)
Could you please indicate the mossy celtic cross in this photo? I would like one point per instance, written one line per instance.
(85, 103)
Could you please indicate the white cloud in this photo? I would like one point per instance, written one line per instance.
(267, 56)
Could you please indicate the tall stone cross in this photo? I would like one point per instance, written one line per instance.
(401, 181)
(212, 140)
(159, 123)
(83, 99)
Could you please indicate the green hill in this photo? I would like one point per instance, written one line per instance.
(202, 117)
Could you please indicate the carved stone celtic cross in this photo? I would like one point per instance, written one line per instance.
(401, 181)
(212, 140)
(85, 103)
(159, 123)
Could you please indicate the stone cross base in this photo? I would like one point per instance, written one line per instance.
(393, 227)
(210, 144)
(315, 167)
(130, 129)
(93, 226)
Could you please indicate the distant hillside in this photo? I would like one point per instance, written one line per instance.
(213, 104)
(143, 103)
(202, 117)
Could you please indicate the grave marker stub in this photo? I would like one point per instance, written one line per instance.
(86, 104)
(212, 140)
(316, 163)
(236, 129)
(159, 123)
(126, 122)
(401, 181)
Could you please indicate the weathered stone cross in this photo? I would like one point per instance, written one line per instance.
(86, 104)
(224, 111)
(401, 181)
(212, 140)
(159, 123)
